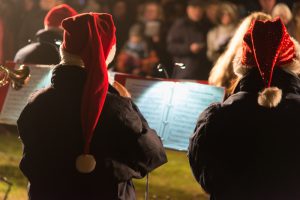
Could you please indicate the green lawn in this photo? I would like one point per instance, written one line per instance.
(172, 181)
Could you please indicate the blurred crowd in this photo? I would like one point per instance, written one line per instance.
(149, 33)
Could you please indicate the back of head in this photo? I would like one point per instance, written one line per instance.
(266, 46)
(87, 32)
(57, 14)
(91, 37)
(222, 73)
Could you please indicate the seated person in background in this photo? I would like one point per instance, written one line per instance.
(82, 140)
(222, 74)
(136, 57)
(45, 49)
(248, 147)
(218, 37)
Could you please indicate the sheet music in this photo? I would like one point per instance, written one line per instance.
(16, 100)
(172, 108)
(188, 102)
(152, 98)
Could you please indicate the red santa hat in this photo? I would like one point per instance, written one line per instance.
(267, 45)
(91, 38)
(57, 14)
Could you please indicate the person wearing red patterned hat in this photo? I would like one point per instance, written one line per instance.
(247, 147)
(82, 140)
(45, 49)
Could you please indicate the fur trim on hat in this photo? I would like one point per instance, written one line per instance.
(69, 59)
(270, 97)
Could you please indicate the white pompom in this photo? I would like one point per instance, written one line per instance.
(85, 163)
(270, 97)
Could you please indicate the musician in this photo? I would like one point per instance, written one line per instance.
(222, 74)
(45, 50)
(82, 140)
(248, 147)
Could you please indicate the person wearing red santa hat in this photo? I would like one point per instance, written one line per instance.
(45, 49)
(82, 140)
(248, 146)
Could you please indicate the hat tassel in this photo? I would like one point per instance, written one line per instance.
(270, 97)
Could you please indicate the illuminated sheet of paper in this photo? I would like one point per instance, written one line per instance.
(152, 98)
(188, 101)
(16, 100)
(172, 108)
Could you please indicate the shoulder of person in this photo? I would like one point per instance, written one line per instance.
(35, 103)
(209, 113)
(239, 98)
(122, 110)
(39, 95)
(28, 48)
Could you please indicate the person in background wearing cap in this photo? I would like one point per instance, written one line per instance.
(45, 49)
(186, 43)
(82, 140)
(248, 146)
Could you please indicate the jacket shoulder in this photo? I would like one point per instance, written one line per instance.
(122, 110)
(39, 95)
(208, 113)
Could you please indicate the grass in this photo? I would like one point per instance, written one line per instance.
(10, 154)
(172, 181)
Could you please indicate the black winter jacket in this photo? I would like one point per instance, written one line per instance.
(182, 34)
(123, 144)
(43, 51)
(242, 151)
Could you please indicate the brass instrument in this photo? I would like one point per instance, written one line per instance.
(18, 77)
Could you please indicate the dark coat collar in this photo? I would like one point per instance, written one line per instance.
(286, 81)
(71, 79)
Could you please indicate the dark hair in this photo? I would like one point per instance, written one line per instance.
(199, 3)
(296, 8)
(213, 2)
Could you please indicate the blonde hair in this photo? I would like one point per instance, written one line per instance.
(229, 8)
(282, 9)
(222, 73)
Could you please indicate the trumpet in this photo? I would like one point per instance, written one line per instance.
(18, 77)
